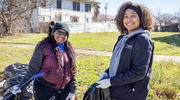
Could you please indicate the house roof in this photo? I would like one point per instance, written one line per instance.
(94, 1)
(90, 1)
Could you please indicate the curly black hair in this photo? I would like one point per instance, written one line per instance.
(146, 22)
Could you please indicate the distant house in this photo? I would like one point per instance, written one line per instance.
(66, 11)
(108, 18)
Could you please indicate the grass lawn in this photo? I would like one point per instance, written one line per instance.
(164, 83)
(166, 43)
(20, 38)
(10, 55)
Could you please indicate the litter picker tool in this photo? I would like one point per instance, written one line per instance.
(32, 78)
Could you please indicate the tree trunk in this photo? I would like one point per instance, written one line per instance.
(9, 29)
(6, 28)
(31, 20)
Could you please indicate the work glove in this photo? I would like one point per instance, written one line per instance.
(70, 96)
(15, 90)
(105, 83)
(103, 76)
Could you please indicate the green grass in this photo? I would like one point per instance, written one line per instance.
(32, 38)
(89, 69)
(165, 80)
(94, 41)
(166, 43)
(10, 55)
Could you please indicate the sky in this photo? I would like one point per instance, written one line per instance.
(164, 6)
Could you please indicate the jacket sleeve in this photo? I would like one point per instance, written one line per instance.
(34, 65)
(73, 84)
(142, 55)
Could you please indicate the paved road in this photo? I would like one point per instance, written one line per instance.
(156, 57)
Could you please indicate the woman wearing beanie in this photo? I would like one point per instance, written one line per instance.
(130, 67)
(54, 56)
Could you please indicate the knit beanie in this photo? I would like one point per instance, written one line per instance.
(61, 25)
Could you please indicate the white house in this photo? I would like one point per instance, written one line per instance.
(80, 15)
(66, 11)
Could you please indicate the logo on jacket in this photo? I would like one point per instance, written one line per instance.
(128, 46)
(52, 98)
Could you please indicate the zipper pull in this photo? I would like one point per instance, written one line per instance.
(133, 89)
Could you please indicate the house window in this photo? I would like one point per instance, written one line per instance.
(59, 4)
(58, 18)
(74, 19)
(76, 6)
(87, 7)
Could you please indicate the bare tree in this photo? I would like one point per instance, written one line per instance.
(96, 12)
(10, 11)
(168, 18)
(159, 17)
(177, 16)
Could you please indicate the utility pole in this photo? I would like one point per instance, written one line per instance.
(38, 8)
(105, 12)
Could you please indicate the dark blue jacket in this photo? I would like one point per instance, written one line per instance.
(133, 74)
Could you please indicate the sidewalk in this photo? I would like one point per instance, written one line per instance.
(104, 53)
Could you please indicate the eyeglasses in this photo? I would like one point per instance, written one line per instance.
(58, 32)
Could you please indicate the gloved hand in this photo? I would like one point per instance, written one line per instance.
(15, 91)
(105, 83)
(70, 96)
(103, 76)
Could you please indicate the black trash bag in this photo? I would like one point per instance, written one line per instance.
(12, 80)
(15, 73)
(94, 93)
(19, 96)
(15, 68)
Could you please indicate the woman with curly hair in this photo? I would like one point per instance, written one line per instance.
(55, 56)
(131, 63)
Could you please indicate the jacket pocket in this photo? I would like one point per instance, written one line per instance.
(48, 73)
(120, 91)
(130, 92)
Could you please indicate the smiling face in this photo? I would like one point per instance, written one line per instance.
(131, 20)
(60, 39)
